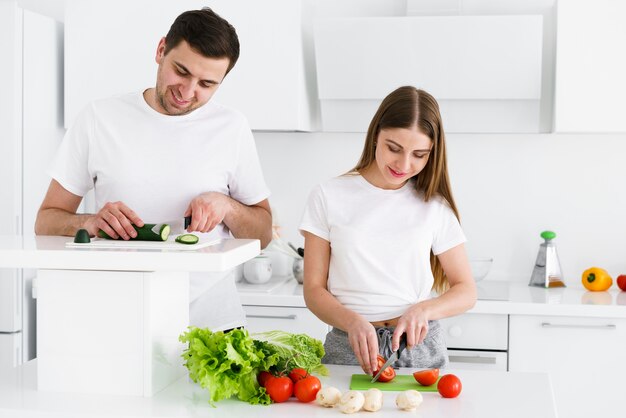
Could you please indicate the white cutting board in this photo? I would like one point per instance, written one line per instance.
(170, 244)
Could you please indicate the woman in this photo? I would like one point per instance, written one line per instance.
(381, 237)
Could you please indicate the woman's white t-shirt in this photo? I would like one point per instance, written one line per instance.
(380, 242)
(156, 164)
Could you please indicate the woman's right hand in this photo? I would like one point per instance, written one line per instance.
(364, 342)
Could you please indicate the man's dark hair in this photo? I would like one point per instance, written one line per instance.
(207, 33)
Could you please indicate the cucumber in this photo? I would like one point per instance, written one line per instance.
(82, 237)
(148, 232)
(187, 239)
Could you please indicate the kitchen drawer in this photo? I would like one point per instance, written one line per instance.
(290, 319)
(477, 331)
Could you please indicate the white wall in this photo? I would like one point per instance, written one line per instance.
(508, 188)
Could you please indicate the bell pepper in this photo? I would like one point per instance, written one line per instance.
(596, 279)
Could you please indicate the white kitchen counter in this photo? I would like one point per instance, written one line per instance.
(522, 300)
(125, 307)
(49, 252)
(485, 395)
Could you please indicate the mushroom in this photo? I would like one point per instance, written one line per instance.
(409, 400)
(373, 400)
(328, 396)
(351, 402)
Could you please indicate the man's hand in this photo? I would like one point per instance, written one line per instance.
(116, 219)
(207, 210)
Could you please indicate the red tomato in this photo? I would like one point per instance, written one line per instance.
(280, 388)
(449, 386)
(306, 388)
(297, 374)
(621, 282)
(262, 377)
(388, 374)
(426, 377)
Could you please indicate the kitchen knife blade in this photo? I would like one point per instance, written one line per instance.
(392, 358)
(178, 226)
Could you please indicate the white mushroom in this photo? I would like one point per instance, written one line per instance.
(351, 402)
(409, 400)
(373, 400)
(328, 396)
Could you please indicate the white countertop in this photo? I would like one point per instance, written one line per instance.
(49, 252)
(522, 300)
(485, 394)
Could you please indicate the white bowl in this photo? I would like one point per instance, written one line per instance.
(480, 267)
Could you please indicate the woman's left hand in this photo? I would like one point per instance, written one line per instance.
(413, 323)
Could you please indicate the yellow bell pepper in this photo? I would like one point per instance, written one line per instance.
(597, 279)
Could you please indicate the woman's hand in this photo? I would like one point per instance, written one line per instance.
(414, 322)
(364, 342)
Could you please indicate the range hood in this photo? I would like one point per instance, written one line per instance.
(485, 71)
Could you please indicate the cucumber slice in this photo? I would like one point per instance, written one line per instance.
(82, 237)
(187, 239)
(148, 232)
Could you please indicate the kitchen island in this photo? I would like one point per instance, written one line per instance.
(484, 395)
(108, 320)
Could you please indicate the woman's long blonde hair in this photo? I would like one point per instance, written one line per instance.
(407, 107)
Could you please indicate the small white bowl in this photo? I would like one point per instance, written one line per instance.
(480, 267)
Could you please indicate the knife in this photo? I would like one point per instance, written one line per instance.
(176, 227)
(392, 358)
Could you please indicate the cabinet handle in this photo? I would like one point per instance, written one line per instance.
(292, 316)
(606, 326)
(472, 359)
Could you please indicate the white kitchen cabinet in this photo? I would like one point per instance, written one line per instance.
(110, 48)
(584, 357)
(477, 341)
(290, 319)
(590, 82)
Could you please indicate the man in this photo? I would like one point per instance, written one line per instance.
(166, 153)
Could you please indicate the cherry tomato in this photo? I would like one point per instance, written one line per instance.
(306, 388)
(426, 377)
(621, 282)
(280, 388)
(449, 386)
(388, 374)
(297, 374)
(262, 377)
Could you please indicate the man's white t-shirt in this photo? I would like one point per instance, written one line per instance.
(380, 242)
(156, 164)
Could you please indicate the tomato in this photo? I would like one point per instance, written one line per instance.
(426, 377)
(297, 374)
(280, 388)
(388, 374)
(306, 388)
(621, 282)
(262, 377)
(449, 386)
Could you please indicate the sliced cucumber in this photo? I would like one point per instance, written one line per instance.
(187, 239)
(82, 237)
(148, 232)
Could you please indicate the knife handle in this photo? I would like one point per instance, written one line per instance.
(402, 345)
(187, 222)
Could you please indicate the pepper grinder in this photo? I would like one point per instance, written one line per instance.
(547, 270)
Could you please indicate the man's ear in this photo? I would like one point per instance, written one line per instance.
(160, 52)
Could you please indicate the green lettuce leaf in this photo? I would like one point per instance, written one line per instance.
(227, 363)
(294, 350)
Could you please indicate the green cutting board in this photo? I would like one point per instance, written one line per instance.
(399, 383)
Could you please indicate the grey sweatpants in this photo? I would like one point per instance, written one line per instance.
(430, 354)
